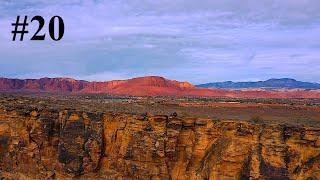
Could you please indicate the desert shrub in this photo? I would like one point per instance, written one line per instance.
(257, 120)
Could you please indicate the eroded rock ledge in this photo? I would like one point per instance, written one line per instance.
(60, 144)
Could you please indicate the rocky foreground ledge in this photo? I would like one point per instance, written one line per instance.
(61, 144)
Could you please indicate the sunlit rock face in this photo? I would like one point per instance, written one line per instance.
(62, 144)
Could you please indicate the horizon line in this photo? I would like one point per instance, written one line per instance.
(159, 76)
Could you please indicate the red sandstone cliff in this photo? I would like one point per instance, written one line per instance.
(42, 85)
(142, 86)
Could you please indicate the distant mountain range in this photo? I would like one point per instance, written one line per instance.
(155, 86)
(268, 84)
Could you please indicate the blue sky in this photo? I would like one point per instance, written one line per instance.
(194, 40)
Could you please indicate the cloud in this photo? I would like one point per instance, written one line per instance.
(200, 41)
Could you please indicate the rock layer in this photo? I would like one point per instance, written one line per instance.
(61, 144)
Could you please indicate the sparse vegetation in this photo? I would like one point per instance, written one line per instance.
(253, 110)
(257, 120)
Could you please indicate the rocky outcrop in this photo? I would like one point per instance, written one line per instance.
(150, 85)
(142, 86)
(42, 85)
(62, 144)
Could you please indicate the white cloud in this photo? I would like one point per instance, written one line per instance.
(208, 39)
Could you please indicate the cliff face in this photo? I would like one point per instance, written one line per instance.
(42, 85)
(137, 86)
(62, 144)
